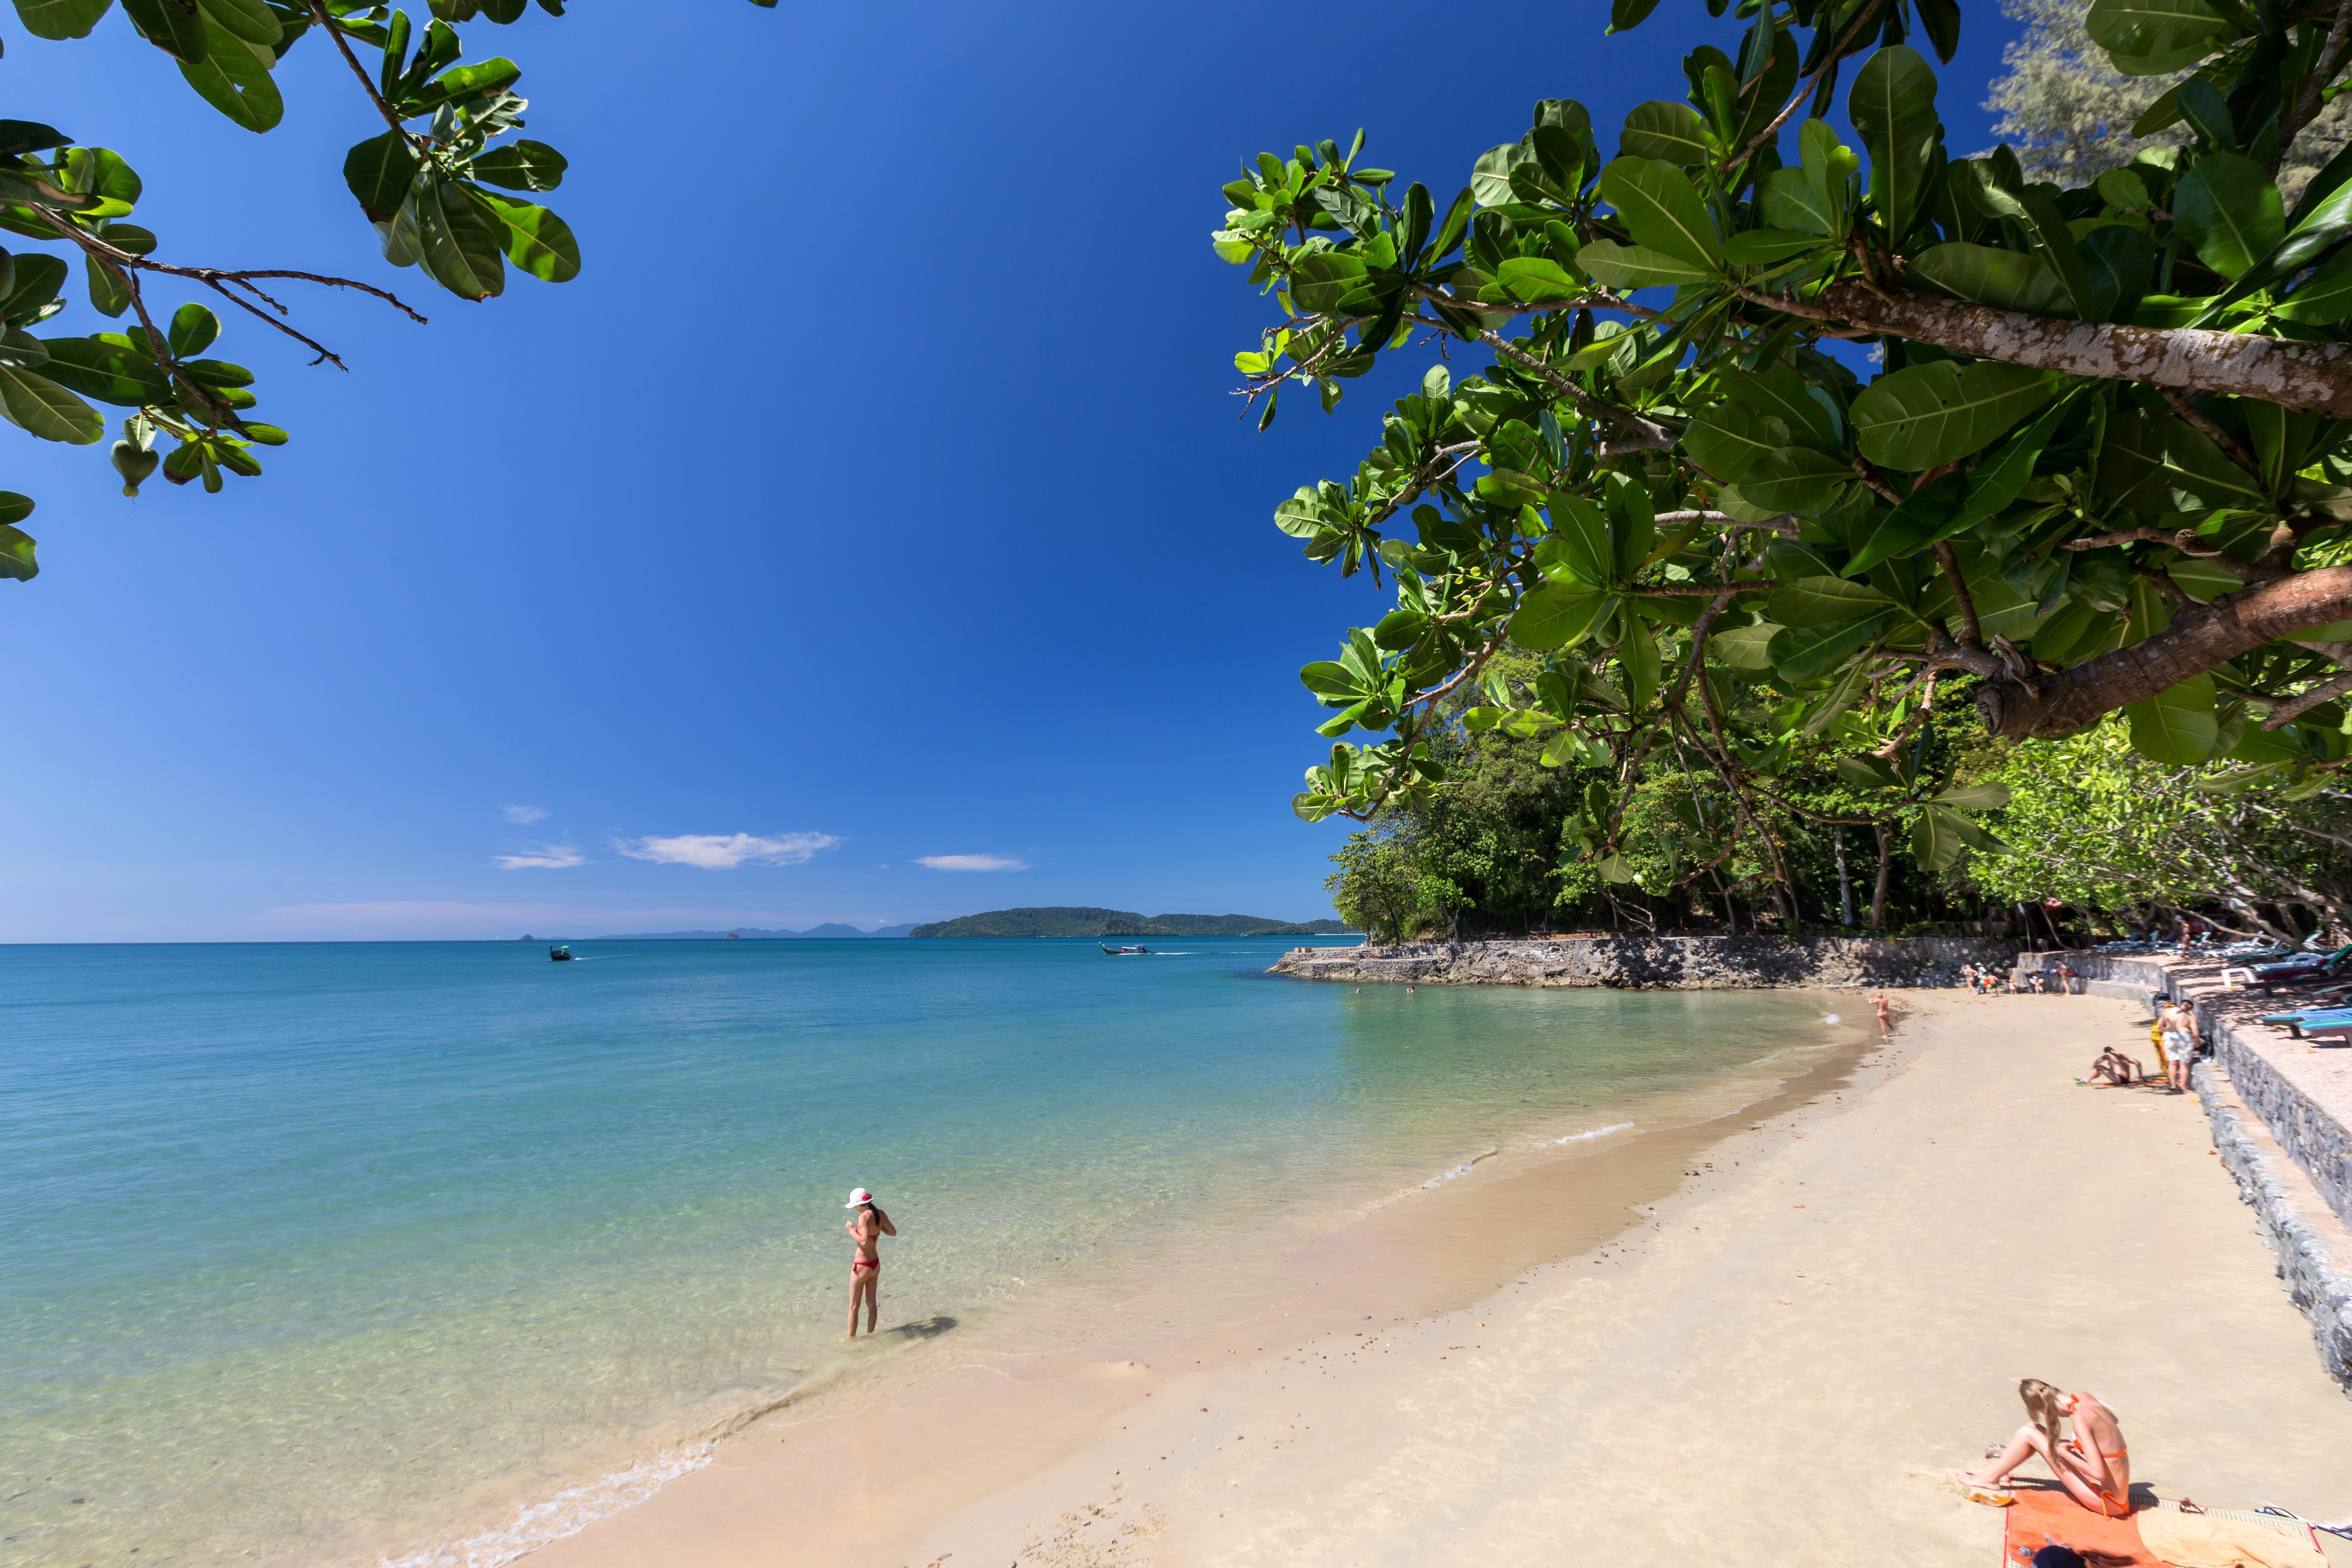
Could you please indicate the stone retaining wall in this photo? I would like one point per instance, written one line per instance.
(1687, 964)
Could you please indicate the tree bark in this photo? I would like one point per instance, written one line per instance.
(2316, 376)
(1845, 885)
(1879, 894)
(2200, 636)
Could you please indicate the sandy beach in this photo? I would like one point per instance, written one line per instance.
(1759, 1341)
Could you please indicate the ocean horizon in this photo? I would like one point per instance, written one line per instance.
(362, 1252)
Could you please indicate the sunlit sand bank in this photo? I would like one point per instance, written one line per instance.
(1597, 1357)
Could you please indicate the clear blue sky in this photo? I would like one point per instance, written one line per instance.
(875, 494)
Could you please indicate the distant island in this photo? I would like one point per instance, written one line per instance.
(751, 933)
(1064, 921)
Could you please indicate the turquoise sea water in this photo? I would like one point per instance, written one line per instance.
(314, 1253)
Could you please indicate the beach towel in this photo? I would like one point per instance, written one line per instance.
(2230, 1539)
(2045, 1514)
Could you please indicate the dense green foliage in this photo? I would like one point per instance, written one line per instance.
(1085, 922)
(440, 196)
(2093, 823)
(2100, 465)
(1506, 844)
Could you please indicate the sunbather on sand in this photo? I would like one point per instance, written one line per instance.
(2094, 1465)
(2115, 1068)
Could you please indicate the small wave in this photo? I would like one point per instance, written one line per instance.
(1595, 1133)
(1463, 1169)
(568, 1513)
(1830, 1018)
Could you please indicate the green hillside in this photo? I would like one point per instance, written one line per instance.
(1083, 922)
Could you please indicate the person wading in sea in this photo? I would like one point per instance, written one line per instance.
(866, 1225)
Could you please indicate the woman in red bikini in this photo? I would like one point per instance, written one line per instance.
(866, 1225)
(2094, 1465)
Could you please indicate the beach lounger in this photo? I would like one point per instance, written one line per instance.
(2326, 1021)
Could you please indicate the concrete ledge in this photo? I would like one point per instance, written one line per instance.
(2313, 1248)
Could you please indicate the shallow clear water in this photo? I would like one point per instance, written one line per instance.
(308, 1251)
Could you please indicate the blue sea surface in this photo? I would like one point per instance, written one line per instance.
(308, 1250)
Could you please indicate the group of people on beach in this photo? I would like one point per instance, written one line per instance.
(1984, 980)
(2177, 1040)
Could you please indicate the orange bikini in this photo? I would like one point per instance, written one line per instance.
(2111, 1506)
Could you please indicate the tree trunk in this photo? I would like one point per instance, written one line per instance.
(1845, 886)
(1879, 894)
(2314, 376)
(2199, 637)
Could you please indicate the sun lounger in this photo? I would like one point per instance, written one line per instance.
(2329, 1021)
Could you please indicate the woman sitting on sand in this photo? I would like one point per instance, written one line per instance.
(2094, 1465)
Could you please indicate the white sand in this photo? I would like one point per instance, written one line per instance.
(1769, 1368)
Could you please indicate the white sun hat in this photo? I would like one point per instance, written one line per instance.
(858, 1199)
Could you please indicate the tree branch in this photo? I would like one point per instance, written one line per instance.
(2305, 376)
(2306, 104)
(2294, 707)
(2199, 637)
(1785, 525)
(2231, 447)
(1972, 629)
(367, 84)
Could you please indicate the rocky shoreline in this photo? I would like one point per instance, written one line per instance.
(1687, 964)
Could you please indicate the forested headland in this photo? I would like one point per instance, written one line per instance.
(1082, 920)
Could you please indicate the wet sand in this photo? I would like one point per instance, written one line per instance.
(1753, 1341)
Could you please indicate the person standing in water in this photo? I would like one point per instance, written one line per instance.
(866, 1225)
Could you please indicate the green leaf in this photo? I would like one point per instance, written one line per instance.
(110, 372)
(249, 20)
(2005, 279)
(379, 172)
(1559, 613)
(38, 279)
(1320, 279)
(1743, 647)
(528, 165)
(2177, 725)
(1934, 840)
(1782, 394)
(1931, 414)
(1637, 656)
(1490, 176)
(61, 18)
(1655, 201)
(1811, 601)
(234, 78)
(192, 330)
(16, 549)
(2165, 34)
(178, 33)
(1867, 772)
(1581, 547)
(1629, 267)
(460, 83)
(2229, 209)
(535, 239)
(1763, 247)
(1633, 523)
(1672, 132)
(39, 405)
(2325, 297)
(15, 508)
(1537, 280)
(461, 244)
(1801, 656)
(1794, 478)
(1986, 797)
(1791, 199)
(1627, 14)
(1893, 105)
(1727, 441)
(1956, 504)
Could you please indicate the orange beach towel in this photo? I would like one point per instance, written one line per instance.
(2044, 1514)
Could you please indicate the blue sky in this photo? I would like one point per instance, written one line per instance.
(867, 534)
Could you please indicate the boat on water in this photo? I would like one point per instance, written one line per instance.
(1132, 950)
(562, 955)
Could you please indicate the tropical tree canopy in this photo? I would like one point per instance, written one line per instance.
(442, 191)
(2099, 460)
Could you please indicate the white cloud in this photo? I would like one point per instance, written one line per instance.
(524, 816)
(725, 851)
(541, 857)
(971, 863)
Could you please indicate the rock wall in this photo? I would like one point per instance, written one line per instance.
(1687, 964)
